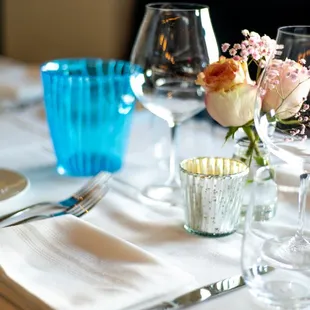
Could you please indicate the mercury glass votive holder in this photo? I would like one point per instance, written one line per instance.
(212, 192)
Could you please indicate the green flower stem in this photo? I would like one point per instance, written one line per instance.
(259, 69)
(253, 148)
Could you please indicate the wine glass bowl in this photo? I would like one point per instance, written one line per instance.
(174, 99)
(283, 97)
(175, 42)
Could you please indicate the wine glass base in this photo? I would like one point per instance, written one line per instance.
(283, 294)
(164, 193)
(288, 252)
(11, 184)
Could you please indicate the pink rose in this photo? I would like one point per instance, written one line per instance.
(287, 85)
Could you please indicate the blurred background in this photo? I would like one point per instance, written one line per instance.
(34, 31)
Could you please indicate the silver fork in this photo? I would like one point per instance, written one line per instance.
(100, 179)
(78, 209)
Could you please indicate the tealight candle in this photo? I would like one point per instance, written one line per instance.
(212, 190)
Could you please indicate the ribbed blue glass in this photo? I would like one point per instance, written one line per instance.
(89, 105)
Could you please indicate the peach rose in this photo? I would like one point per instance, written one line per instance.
(287, 86)
(230, 92)
(234, 107)
(224, 74)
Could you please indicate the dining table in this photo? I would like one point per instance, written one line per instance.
(26, 148)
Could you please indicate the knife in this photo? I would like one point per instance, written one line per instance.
(209, 291)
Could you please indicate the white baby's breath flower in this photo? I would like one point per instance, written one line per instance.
(245, 32)
(254, 34)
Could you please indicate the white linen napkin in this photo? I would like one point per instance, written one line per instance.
(65, 263)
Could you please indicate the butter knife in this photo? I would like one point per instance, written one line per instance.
(209, 291)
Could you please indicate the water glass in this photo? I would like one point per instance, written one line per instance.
(212, 191)
(89, 105)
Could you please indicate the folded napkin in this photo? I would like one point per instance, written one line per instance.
(65, 263)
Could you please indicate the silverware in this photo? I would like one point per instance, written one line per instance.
(79, 206)
(207, 292)
(101, 178)
(127, 190)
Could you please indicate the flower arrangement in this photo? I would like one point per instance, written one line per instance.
(231, 92)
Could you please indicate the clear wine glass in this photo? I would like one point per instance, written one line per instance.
(175, 42)
(270, 279)
(283, 105)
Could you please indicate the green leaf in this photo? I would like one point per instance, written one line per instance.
(272, 118)
(231, 132)
(244, 160)
(290, 122)
(261, 161)
(272, 173)
(249, 123)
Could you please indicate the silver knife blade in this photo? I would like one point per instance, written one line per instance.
(209, 291)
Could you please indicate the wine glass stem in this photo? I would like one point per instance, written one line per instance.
(172, 181)
(303, 190)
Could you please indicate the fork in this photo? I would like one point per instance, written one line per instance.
(100, 179)
(78, 209)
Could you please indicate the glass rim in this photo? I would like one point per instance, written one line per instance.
(91, 60)
(156, 6)
(286, 30)
(239, 174)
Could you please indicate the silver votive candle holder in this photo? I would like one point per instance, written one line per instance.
(212, 190)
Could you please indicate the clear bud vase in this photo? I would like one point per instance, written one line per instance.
(266, 207)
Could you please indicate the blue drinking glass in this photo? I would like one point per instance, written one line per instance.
(89, 105)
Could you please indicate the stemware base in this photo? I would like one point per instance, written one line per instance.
(164, 193)
(11, 184)
(284, 295)
(281, 288)
(288, 252)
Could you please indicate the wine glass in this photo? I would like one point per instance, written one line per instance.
(175, 42)
(282, 105)
(270, 280)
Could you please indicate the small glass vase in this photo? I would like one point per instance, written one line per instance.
(265, 209)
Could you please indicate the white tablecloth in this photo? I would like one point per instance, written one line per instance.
(25, 147)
